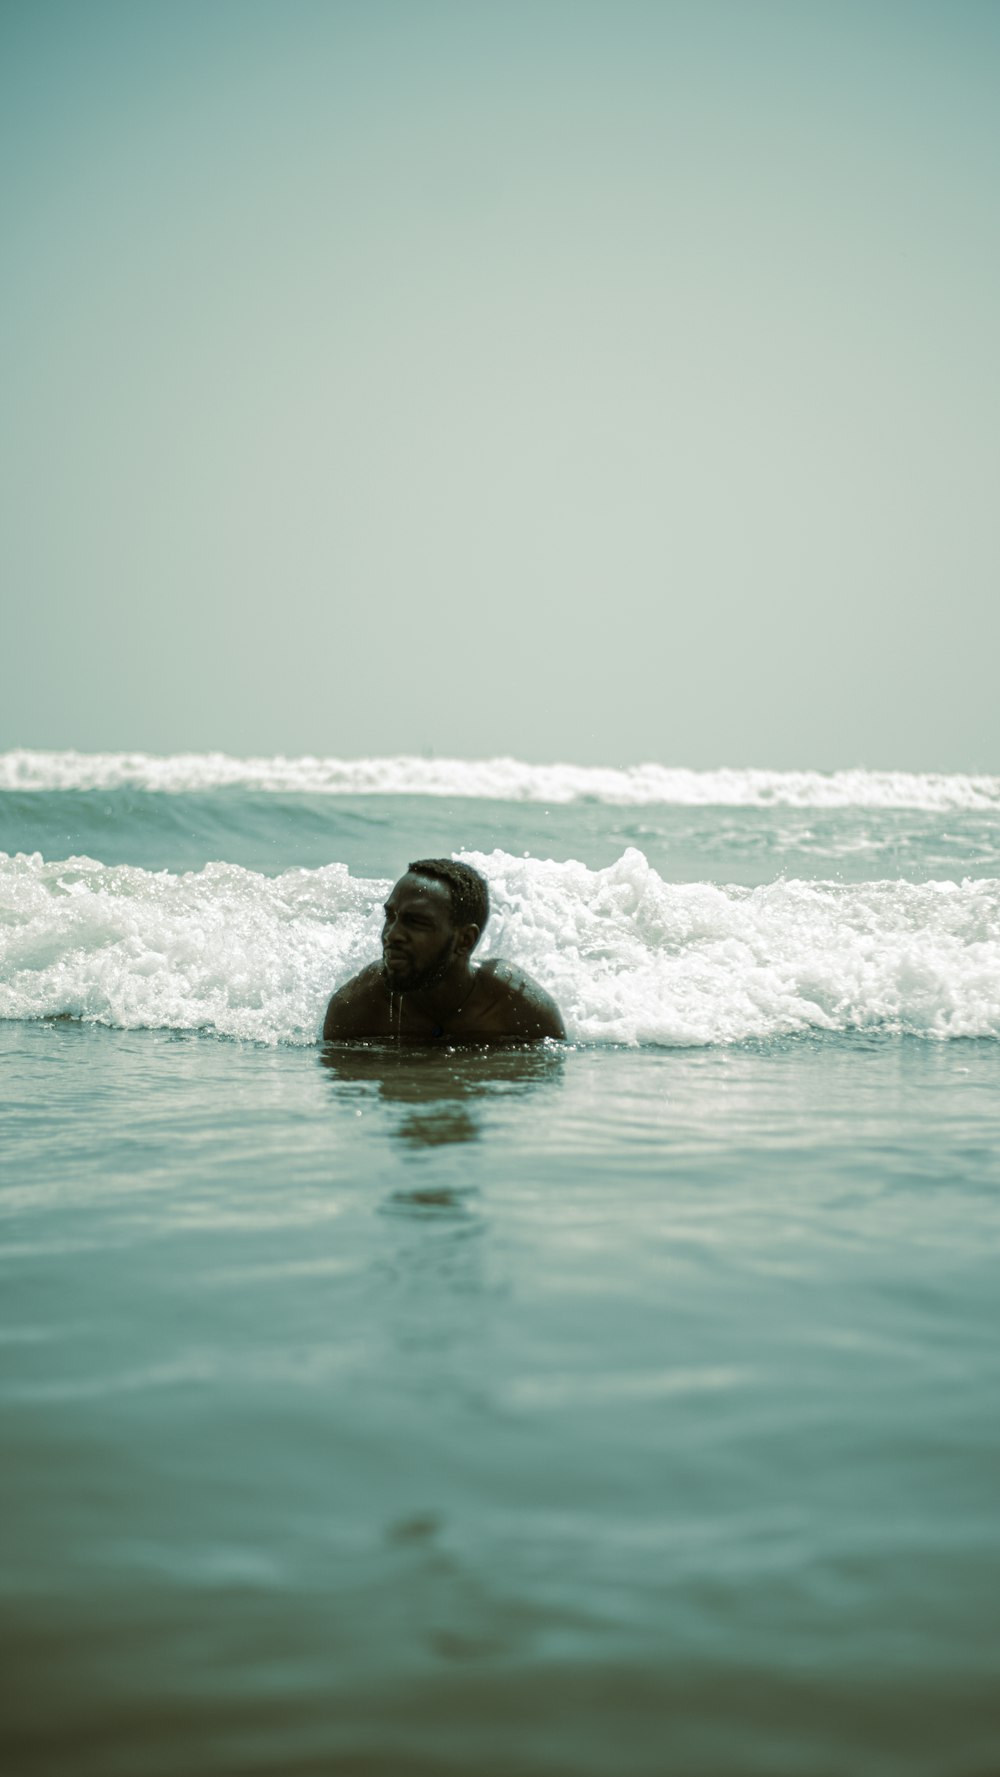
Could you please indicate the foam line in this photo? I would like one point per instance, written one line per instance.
(503, 780)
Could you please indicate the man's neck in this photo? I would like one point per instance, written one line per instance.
(445, 997)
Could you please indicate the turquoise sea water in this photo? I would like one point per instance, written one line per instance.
(623, 1408)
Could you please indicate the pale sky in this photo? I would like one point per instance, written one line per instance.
(603, 382)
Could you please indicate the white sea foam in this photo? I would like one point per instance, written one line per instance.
(629, 957)
(505, 780)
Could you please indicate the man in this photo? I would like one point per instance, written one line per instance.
(425, 989)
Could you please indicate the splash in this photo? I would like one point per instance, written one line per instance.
(629, 957)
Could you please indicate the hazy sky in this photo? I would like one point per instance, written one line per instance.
(603, 382)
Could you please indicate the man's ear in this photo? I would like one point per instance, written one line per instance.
(467, 939)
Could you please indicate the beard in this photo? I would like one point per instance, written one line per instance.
(428, 976)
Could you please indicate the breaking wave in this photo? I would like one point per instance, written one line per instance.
(630, 958)
(502, 780)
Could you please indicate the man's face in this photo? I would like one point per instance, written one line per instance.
(418, 937)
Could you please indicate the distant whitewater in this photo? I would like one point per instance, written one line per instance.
(503, 780)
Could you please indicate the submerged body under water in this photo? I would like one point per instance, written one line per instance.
(626, 1406)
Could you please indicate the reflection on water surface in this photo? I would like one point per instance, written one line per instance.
(448, 1089)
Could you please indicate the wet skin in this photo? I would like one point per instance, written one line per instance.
(426, 990)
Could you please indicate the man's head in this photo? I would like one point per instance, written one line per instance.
(434, 917)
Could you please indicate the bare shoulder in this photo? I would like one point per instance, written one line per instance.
(357, 1008)
(517, 1000)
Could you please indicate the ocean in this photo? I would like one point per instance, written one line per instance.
(608, 1409)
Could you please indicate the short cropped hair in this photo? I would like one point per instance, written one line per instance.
(470, 897)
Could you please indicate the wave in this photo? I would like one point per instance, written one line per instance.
(502, 780)
(630, 958)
